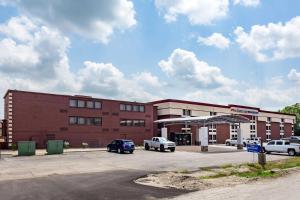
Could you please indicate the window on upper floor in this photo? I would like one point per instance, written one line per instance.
(122, 107)
(80, 104)
(142, 108)
(136, 108)
(269, 119)
(98, 105)
(186, 112)
(128, 107)
(90, 104)
(212, 113)
(73, 103)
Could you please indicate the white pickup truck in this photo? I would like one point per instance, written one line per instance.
(160, 143)
(282, 146)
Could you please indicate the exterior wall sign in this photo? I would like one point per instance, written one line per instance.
(244, 111)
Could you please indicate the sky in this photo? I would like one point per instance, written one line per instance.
(243, 52)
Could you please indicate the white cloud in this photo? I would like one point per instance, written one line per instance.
(93, 19)
(185, 66)
(247, 3)
(294, 75)
(216, 39)
(271, 42)
(37, 60)
(198, 12)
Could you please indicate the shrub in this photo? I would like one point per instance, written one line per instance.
(14, 147)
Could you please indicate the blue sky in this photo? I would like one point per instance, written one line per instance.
(153, 49)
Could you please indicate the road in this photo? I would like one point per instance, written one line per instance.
(287, 188)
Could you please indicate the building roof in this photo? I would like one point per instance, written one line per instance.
(217, 105)
(71, 96)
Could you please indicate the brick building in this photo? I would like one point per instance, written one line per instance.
(265, 124)
(84, 119)
(76, 119)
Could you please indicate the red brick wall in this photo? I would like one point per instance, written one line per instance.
(275, 130)
(223, 133)
(37, 115)
(261, 130)
(287, 130)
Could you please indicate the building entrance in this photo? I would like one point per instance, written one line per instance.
(181, 138)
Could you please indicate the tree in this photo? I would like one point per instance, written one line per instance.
(294, 109)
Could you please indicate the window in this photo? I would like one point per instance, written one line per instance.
(128, 107)
(98, 105)
(136, 123)
(90, 104)
(81, 120)
(268, 127)
(73, 120)
(287, 143)
(90, 121)
(122, 107)
(97, 121)
(269, 119)
(128, 122)
(123, 122)
(80, 104)
(212, 113)
(279, 143)
(253, 118)
(282, 120)
(73, 103)
(186, 112)
(271, 143)
(136, 108)
(142, 122)
(281, 136)
(142, 108)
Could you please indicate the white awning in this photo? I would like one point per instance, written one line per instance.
(217, 119)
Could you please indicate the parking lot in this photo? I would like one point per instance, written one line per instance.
(101, 174)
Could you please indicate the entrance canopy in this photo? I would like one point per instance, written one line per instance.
(217, 119)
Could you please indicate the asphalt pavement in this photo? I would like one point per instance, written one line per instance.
(103, 185)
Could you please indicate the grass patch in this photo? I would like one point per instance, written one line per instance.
(271, 169)
(258, 173)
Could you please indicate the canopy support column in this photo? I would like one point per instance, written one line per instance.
(239, 138)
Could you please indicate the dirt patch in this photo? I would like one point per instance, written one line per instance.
(206, 178)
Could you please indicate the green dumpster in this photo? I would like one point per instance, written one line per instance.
(55, 147)
(26, 148)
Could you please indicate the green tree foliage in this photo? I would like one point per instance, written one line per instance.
(294, 109)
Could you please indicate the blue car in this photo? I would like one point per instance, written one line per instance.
(121, 146)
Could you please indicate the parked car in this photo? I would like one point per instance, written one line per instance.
(160, 143)
(282, 146)
(255, 140)
(121, 146)
(231, 142)
(295, 139)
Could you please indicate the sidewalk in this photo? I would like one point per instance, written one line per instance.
(41, 152)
